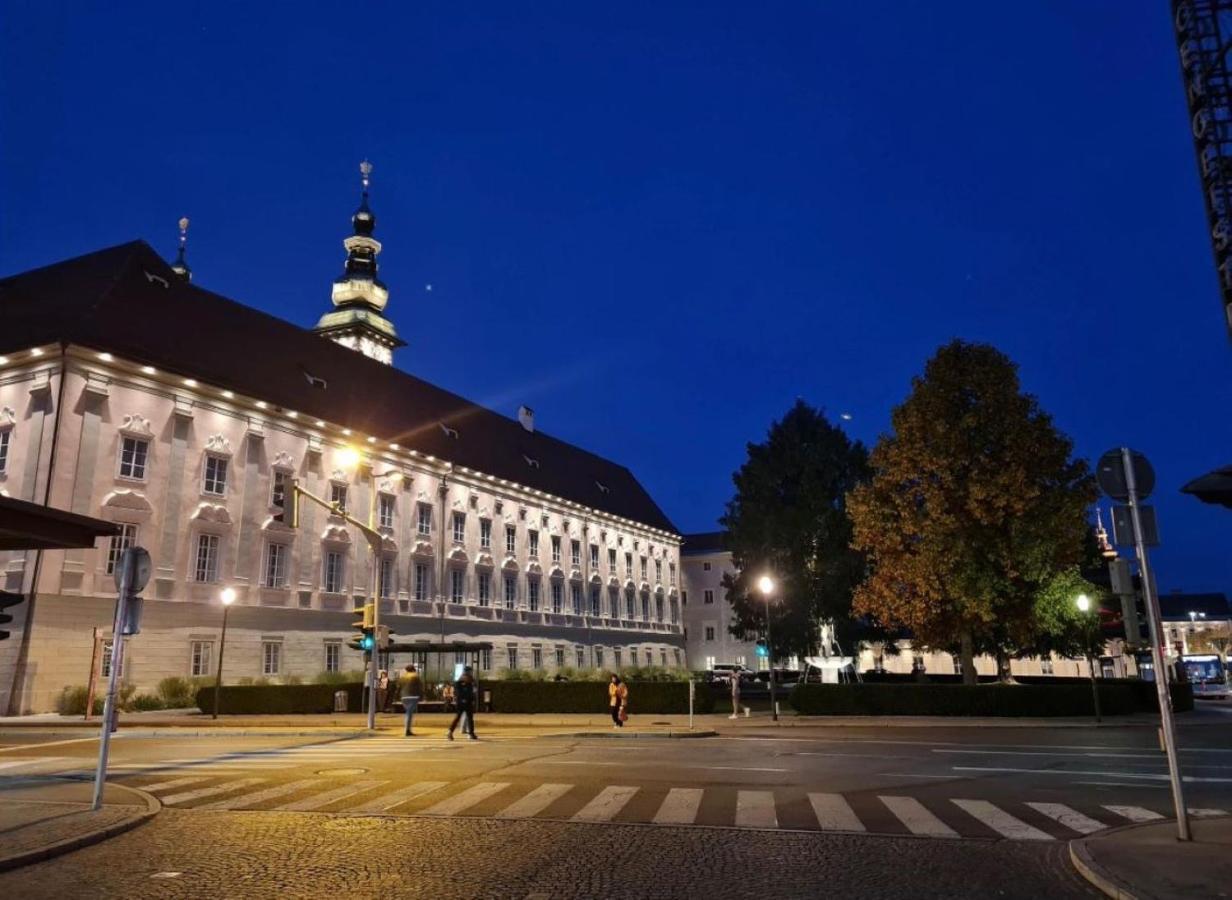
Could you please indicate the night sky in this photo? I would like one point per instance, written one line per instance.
(659, 223)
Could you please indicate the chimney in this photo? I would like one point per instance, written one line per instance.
(526, 416)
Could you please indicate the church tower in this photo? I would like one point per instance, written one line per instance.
(358, 318)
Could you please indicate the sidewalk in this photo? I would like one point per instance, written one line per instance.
(1147, 862)
(42, 818)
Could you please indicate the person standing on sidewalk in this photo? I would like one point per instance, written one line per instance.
(464, 700)
(735, 692)
(411, 687)
(382, 689)
(618, 701)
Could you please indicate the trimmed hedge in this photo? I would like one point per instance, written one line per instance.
(960, 700)
(249, 699)
(645, 697)
(1145, 697)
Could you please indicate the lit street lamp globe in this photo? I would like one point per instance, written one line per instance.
(1084, 603)
(765, 584)
(227, 596)
(348, 458)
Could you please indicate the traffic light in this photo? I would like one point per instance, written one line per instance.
(1133, 609)
(365, 640)
(761, 648)
(8, 599)
(382, 637)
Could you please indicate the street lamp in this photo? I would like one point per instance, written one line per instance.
(227, 597)
(765, 584)
(1084, 606)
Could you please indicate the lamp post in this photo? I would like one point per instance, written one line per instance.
(227, 597)
(1084, 607)
(765, 584)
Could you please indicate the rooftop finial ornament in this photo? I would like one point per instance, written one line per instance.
(180, 267)
(365, 169)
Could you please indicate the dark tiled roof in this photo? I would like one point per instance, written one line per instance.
(126, 300)
(704, 542)
(1176, 607)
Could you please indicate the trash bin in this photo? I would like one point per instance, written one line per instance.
(340, 701)
(485, 701)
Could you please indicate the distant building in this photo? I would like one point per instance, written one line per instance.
(1187, 616)
(707, 614)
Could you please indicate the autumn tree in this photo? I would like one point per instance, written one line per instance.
(788, 517)
(974, 507)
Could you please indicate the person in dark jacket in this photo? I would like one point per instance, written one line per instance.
(464, 700)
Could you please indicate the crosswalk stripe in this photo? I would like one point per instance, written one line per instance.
(755, 809)
(535, 802)
(174, 783)
(916, 818)
(833, 813)
(679, 807)
(211, 791)
(606, 804)
(1068, 817)
(400, 796)
(1134, 813)
(339, 793)
(1001, 822)
(278, 790)
(475, 794)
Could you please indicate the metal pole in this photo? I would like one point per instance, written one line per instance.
(692, 688)
(222, 647)
(117, 659)
(93, 685)
(374, 659)
(1157, 656)
(1094, 687)
(774, 707)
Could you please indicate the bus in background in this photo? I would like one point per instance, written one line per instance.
(1207, 675)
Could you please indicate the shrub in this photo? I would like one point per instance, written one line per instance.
(179, 693)
(72, 700)
(241, 699)
(147, 702)
(338, 677)
(960, 700)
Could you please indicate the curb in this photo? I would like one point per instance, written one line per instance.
(59, 848)
(1097, 876)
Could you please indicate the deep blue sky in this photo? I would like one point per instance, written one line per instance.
(659, 223)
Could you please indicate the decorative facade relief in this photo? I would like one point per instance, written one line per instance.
(136, 425)
(8, 418)
(218, 444)
(282, 460)
(212, 513)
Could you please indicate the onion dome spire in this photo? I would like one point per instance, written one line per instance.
(180, 266)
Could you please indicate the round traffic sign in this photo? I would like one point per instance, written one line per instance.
(1110, 475)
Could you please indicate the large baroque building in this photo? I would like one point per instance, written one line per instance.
(130, 394)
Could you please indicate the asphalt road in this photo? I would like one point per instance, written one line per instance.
(961, 811)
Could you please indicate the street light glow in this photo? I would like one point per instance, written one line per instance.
(765, 584)
(348, 457)
(1084, 603)
(227, 596)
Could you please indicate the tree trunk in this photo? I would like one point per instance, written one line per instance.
(967, 657)
(1003, 667)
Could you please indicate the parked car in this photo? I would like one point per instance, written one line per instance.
(724, 671)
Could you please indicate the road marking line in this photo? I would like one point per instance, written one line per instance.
(1133, 784)
(210, 791)
(755, 809)
(1001, 822)
(535, 802)
(606, 804)
(1134, 813)
(911, 813)
(834, 814)
(1067, 772)
(1205, 813)
(174, 783)
(279, 790)
(50, 744)
(33, 761)
(398, 797)
(679, 807)
(1158, 757)
(475, 794)
(1068, 817)
(339, 793)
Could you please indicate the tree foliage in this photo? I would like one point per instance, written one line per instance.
(789, 518)
(975, 506)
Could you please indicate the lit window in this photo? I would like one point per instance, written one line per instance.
(207, 558)
(485, 589)
(558, 598)
(275, 565)
(485, 534)
(459, 527)
(511, 591)
(456, 579)
(338, 496)
(119, 543)
(333, 656)
(334, 572)
(421, 581)
(200, 658)
(532, 594)
(385, 506)
(5, 435)
(271, 657)
(425, 519)
(133, 455)
(511, 540)
(215, 475)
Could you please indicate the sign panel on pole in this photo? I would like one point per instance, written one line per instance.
(1110, 475)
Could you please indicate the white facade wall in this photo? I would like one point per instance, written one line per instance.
(80, 422)
(708, 641)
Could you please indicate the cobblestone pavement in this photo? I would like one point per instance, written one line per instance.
(31, 826)
(287, 855)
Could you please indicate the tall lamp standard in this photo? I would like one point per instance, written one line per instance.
(1084, 607)
(227, 597)
(765, 584)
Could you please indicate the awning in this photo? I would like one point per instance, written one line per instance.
(1213, 487)
(29, 526)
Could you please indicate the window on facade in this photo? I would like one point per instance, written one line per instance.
(594, 556)
(485, 534)
(511, 653)
(707, 596)
(536, 657)
(485, 659)
(580, 656)
(333, 572)
(511, 540)
(878, 662)
(133, 455)
(385, 506)
(628, 565)
(676, 654)
(663, 658)
(560, 657)
(424, 525)
(957, 666)
(1045, 665)
(594, 601)
(575, 553)
(511, 591)
(275, 565)
(645, 607)
(630, 604)
(613, 602)
(456, 580)
(659, 571)
(5, 437)
(333, 656)
(389, 586)
(617, 653)
(684, 598)
(532, 594)
(532, 538)
(484, 584)
(338, 496)
(119, 543)
(649, 659)
(705, 567)
(271, 657)
(278, 492)
(658, 607)
(558, 597)
(459, 527)
(555, 548)
(598, 657)
(206, 569)
(201, 655)
(643, 568)
(675, 613)
(215, 475)
(575, 594)
(421, 581)
(671, 573)
(611, 561)
(710, 632)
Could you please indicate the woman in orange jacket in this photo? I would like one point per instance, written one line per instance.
(618, 700)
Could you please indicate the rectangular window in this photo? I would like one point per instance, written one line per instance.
(485, 659)
(119, 543)
(705, 567)
(385, 506)
(707, 596)
(575, 553)
(425, 519)
(271, 657)
(133, 455)
(536, 657)
(629, 604)
(671, 573)
(275, 565)
(560, 657)
(663, 658)
(684, 598)
(484, 583)
(333, 656)
(628, 565)
(649, 659)
(338, 496)
(710, 632)
(555, 548)
(215, 475)
(456, 580)
(511, 540)
(202, 653)
(485, 534)
(5, 435)
(594, 556)
(643, 568)
(558, 597)
(957, 666)
(594, 601)
(575, 594)
(611, 561)
(421, 581)
(580, 656)
(616, 657)
(278, 492)
(1046, 665)
(332, 575)
(532, 594)
(511, 591)
(389, 586)
(207, 558)
(532, 538)
(598, 657)
(658, 607)
(658, 571)
(675, 613)
(511, 653)
(645, 607)
(459, 527)
(613, 602)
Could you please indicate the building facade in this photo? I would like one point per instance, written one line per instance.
(130, 394)
(707, 612)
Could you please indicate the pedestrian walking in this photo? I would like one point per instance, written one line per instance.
(411, 687)
(382, 689)
(464, 700)
(618, 701)
(735, 692)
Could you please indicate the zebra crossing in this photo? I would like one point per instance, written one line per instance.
(781, 808)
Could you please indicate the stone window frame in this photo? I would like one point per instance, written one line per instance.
(194, 657)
